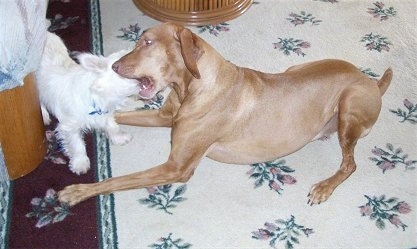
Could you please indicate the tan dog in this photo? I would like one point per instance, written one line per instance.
(228, 113)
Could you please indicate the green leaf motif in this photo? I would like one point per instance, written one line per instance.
(164, 197)
(380, 224)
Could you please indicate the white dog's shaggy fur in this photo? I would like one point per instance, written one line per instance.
(82, 97)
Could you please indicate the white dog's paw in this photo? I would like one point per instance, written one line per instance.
(79, 165)
(120, 138)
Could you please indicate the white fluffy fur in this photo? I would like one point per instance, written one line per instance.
(82, 97)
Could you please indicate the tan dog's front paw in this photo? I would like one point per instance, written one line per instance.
(73, 194)
(320, 192)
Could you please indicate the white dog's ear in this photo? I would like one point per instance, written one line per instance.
(92, 62)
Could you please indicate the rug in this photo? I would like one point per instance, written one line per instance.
(30, 214)
(265, 205)
(262, 205)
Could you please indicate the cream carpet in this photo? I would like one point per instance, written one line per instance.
(265, 205)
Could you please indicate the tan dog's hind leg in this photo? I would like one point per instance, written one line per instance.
(357, 114)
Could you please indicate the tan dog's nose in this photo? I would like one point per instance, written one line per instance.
(116, 67)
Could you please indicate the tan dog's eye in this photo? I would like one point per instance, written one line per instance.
(148, 42)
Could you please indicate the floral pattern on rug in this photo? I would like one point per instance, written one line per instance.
(48, 210)
(155, 103)
(170, 243)
(54, 150)
(408, 115)
(164, 197)
(275, 173)
(376, 42)
(282, 231)
(379, 11)
(60, 22)
(302, 18)
(131, 33)
(380, 209)
(391, 158)
(288, 45)
(214, 29)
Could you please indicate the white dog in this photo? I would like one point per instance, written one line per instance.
(82, 97)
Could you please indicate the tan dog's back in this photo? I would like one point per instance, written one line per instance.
(287, 110)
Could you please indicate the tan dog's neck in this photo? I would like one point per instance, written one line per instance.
(181, 86)
(200, 53)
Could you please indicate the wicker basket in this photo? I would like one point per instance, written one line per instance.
(193, 12)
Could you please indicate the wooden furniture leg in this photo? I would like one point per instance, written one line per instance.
(22, 132)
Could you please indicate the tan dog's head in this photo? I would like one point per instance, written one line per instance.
(162, 56)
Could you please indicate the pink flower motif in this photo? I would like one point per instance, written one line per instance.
(395, 220)
(298, 22)
(385, 47)
(262, 234)
(50, 194)
(383, 18)
(403, 207)
(370, 46)
(386, 165)
(270, 226)
(366, 210)
(278, 45)
(408, 104)
(214, 32)
(379, 5)
(298, 51)
(223, 28)
(58, 160)
(287, 179)
(151, 190)
(308, 231)
(36, 201)
(378, 152)
(275, 171)
(304, 45)
(250, 172)
(274, 185)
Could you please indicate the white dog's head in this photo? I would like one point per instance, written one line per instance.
(109, 90)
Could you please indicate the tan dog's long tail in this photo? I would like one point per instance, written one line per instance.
(385, 81)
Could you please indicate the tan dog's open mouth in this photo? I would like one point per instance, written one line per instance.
(146, 87)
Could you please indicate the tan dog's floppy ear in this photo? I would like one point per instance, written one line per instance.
(189, 50)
